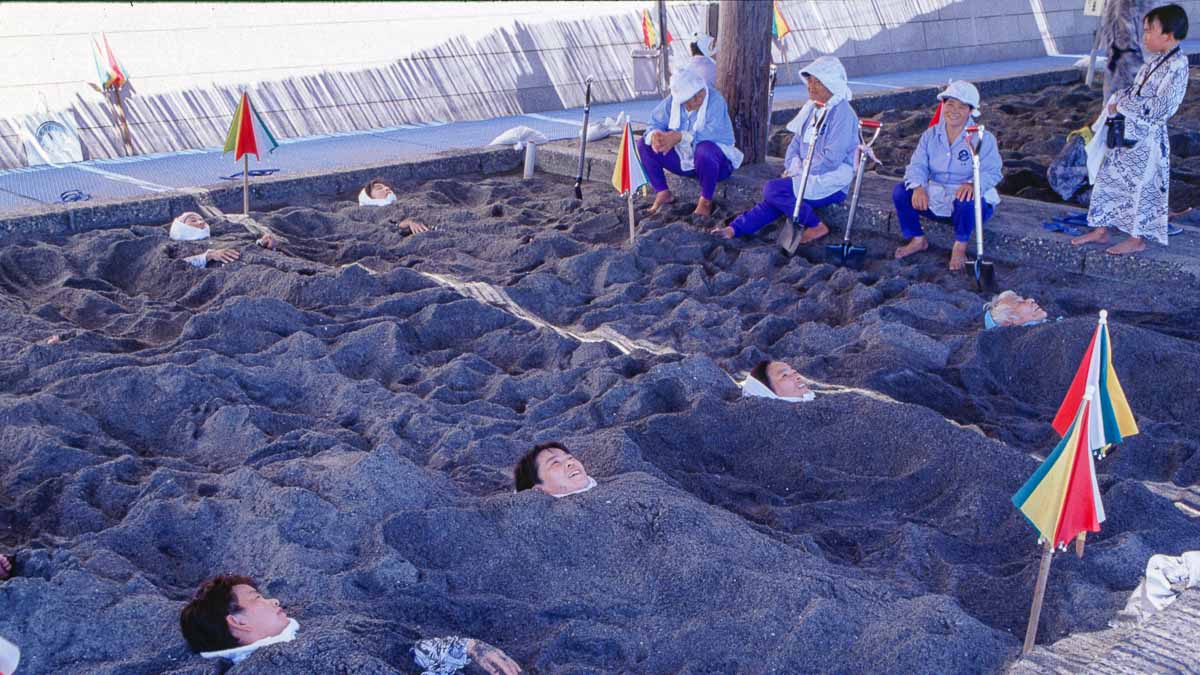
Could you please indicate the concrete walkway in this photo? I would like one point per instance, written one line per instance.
(33, 189)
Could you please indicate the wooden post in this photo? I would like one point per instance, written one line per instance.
(120, 108)
(1039, 592)
(743, 66)
(246, 185)
(1079, 542)
(664, 51)
(632, 217)
(1091, 71)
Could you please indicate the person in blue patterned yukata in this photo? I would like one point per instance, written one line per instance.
(690, 135)
(939, 183)
(1132, 184)
(832, 163)
(229, 618)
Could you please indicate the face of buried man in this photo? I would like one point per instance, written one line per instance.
(785, 381)
(693, 103)
(817, 90)
(258, 618)
(955, 112)
(560, 472)
(380, 191)
(1023, 310)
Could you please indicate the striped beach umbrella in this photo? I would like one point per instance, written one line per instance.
(779, 25)
(1109, 418)
(1062, 498)
(248, 135)
(109, 71)
(650, 32)
(628, 173)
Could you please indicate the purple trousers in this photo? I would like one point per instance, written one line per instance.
(712, 166)
(962, 215)
(779, 199)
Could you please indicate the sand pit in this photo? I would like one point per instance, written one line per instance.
(334, 421)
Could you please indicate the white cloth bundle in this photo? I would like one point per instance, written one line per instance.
(1166, 577)
(1098, 146)
(518, 137)
(591, 484)
(239, 654)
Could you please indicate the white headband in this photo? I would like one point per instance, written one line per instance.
(365, 199)
(181, 231)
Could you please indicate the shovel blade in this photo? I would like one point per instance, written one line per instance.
(985, 275)
(845, 255)
(788, 237)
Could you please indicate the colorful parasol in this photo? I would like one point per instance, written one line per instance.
(628, 173)
(112, 77)
(650, 33)
(779, 25)
(1062, 500)
(248, 135)
(1110, 419)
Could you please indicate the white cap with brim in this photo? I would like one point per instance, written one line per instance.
(964, 92)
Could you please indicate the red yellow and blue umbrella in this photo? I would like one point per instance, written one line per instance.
(779, 25)
(1110, 418)
(248, 135)
(628, 173)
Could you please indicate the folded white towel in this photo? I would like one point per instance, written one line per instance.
(239, 654)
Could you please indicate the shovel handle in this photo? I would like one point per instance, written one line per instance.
(871, 124)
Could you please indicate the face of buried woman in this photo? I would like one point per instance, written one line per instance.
(560, 472)
(379, 190)
(785, 381)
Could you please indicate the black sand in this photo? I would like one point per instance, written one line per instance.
(345, 434)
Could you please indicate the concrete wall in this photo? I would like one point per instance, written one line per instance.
(322, 68)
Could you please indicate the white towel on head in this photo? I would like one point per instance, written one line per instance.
(752, 387)
(830, 71)
(239, 654)
(365, 199)
(684, 85)
(181, 231)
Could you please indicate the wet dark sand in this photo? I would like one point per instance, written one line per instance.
(345, 433)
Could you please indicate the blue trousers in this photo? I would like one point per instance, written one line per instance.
(962, 215)
(712, 166)
(779, 199)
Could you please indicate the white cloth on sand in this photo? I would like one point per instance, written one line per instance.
(519, 136)
(1166, 577)
(239, 654)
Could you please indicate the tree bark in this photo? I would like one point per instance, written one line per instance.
(743, 68)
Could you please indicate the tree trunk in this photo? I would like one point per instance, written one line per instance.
(743, 68)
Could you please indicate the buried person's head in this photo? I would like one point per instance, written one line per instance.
(1010, 309)
(551, 468)
(781, 379)
(376, 193)
(228, 612)
(189, 226)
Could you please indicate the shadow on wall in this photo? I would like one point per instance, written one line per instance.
(514, 70)
(534, 68)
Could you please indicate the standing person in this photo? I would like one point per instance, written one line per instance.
(939, 181)
(832, 163)
(690, 135)
(1131, 187)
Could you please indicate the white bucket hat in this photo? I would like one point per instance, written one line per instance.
(961, 90)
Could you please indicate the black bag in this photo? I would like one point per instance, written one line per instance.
(1115, 133)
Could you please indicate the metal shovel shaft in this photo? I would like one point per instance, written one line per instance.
(587, 111)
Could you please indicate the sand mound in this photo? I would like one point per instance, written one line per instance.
(345, 433)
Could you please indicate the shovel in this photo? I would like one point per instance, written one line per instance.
(587, 111)
(846, 253)
(983, 270)
(789, 235)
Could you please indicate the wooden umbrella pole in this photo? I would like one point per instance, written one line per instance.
(124, 124)
(1079, 542)
(629, 201)
(246, 185)
(1039, 592)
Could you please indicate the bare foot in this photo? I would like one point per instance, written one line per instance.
(660, 200)
(1098, 235)
(812, 234)
(916, 245)
(958, 256)
(53, 340)
(704, 207)
(1130, 245)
